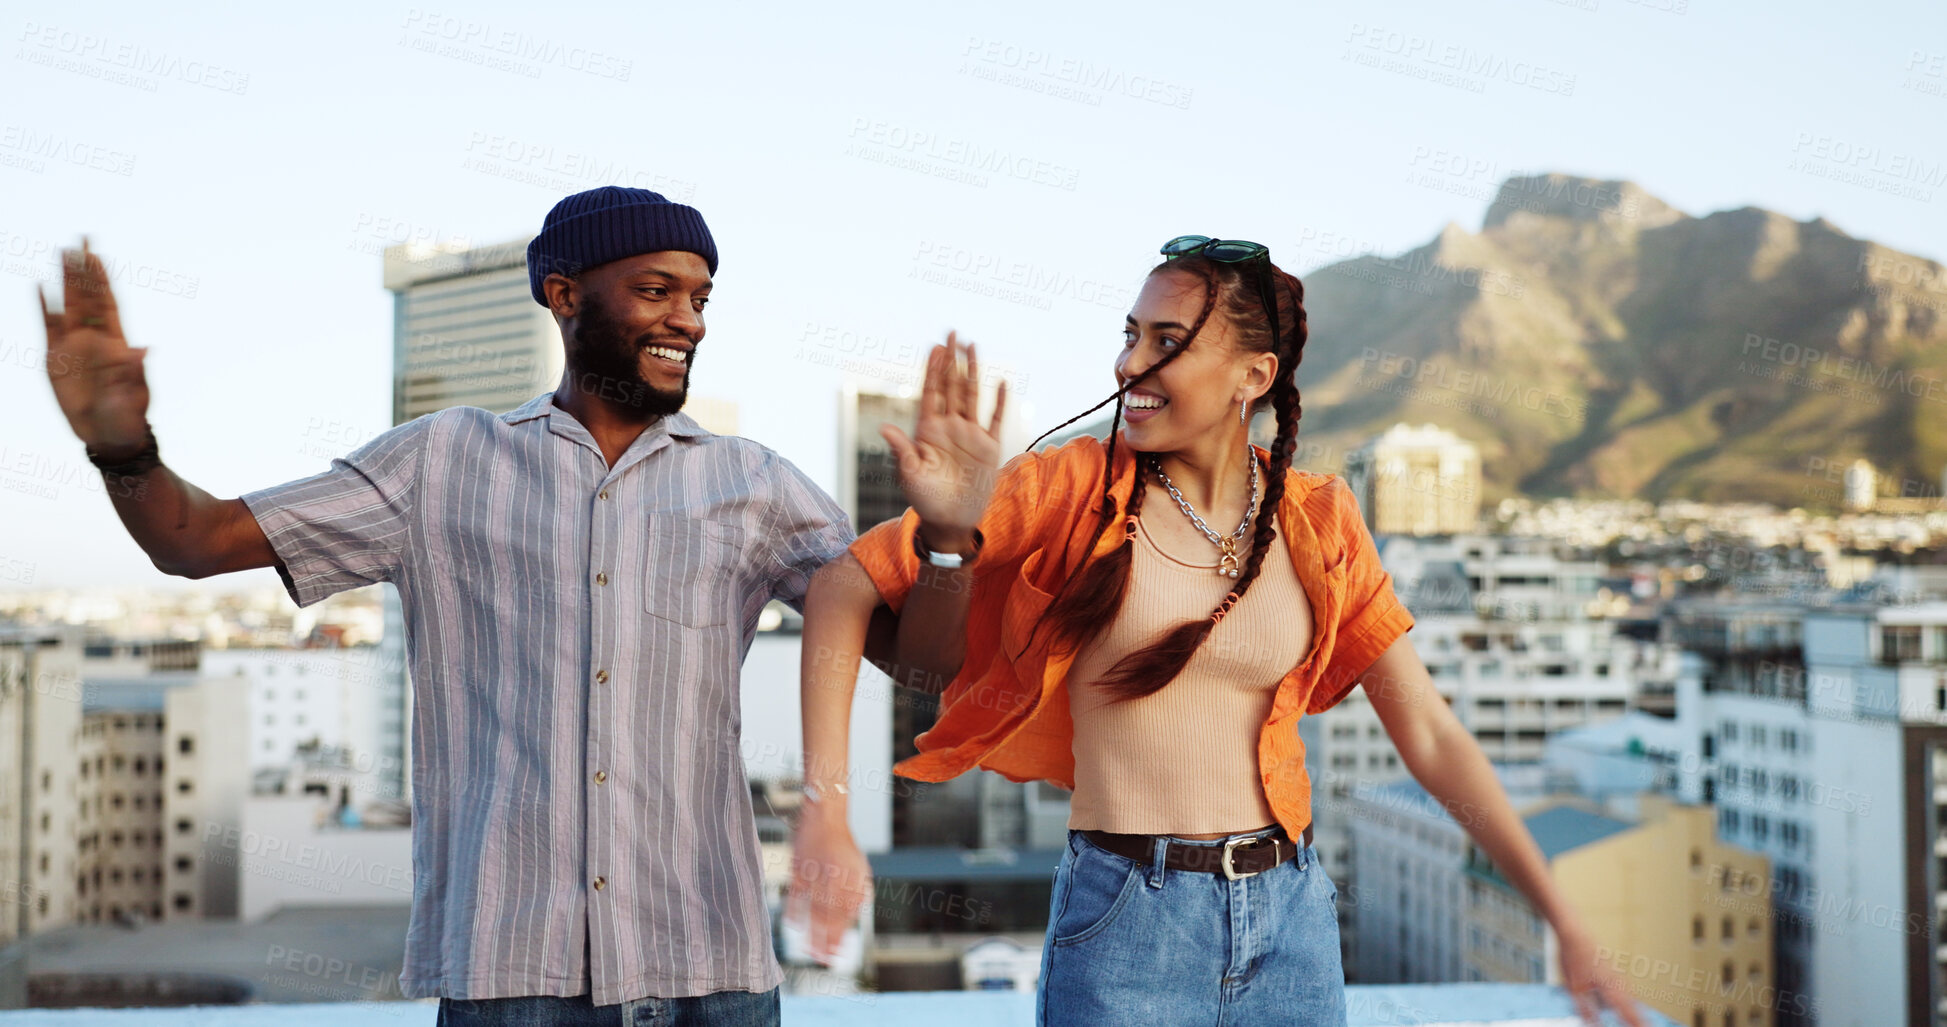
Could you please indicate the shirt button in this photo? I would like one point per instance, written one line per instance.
(601, 677)
(600, 883)
(601, 776)
(601, 578)
(602, 495)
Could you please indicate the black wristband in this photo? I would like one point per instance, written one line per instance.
(144, 460)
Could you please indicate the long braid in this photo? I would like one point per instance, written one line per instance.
(1285, 402)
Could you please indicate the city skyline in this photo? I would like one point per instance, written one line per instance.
(1020, 142)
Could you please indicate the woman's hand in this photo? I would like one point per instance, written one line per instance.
(1589, 983)
(947, 468)
(831, 880)
(97, 376)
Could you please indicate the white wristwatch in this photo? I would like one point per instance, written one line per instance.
(950, 560)
(811, 791)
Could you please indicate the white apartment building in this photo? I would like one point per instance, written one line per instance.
(1518, 644)
(1821, 736)
(121, 802)
(40, 731)
(207, 766)
(337, 698)
(1409, 856)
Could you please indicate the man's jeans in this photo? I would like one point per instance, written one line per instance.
(721, 1009)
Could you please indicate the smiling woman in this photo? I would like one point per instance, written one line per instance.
(1077, 637)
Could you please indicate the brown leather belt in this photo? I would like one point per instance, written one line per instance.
(1235, 859)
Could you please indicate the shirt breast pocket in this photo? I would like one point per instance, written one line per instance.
(690, 572)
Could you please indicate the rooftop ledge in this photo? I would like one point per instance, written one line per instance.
(1372, 1005)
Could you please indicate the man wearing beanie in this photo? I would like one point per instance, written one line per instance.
(581, 578)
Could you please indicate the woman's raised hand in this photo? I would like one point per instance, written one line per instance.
(947, 468)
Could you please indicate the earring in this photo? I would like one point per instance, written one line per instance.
(1243, 408)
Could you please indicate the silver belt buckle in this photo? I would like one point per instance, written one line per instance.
(1230, 846)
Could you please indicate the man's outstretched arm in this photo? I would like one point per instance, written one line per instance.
(99, 383)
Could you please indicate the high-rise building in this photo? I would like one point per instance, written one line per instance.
(207, 754)
(1820, 734)
(466, 329)
(121, 799)
(40, 732)
(1861, 484)
(465, 332)
(1417, 481)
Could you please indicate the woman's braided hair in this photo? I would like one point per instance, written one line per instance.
(1089, 599)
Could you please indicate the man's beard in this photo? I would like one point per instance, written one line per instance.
(615, 362)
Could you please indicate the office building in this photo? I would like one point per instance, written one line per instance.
(1420, 480)
(1820, 734)
(1676, 909)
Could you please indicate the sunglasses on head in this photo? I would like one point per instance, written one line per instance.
(1232, 251)
(1224, 251)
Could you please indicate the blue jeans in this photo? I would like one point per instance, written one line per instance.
(1133, 943)
(719, 1009)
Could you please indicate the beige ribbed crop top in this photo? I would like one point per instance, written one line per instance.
(1184, 760)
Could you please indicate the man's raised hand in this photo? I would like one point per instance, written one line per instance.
(97, 376)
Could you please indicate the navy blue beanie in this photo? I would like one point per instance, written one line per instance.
(592, 228)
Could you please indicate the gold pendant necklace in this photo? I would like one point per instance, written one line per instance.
(1228, 563)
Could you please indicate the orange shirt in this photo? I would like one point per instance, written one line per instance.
(1007, 709)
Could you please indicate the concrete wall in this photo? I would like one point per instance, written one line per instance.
(288, 856)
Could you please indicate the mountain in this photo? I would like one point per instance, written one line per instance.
(1594, 341)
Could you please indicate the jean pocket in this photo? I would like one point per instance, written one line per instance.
(1095, 887)
(1331, 887)
(690, 570)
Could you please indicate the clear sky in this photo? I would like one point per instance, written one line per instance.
(874, 174)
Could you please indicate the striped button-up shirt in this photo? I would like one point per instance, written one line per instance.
(581, 818)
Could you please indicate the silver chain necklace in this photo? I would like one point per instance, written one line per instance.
(1231, 556)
